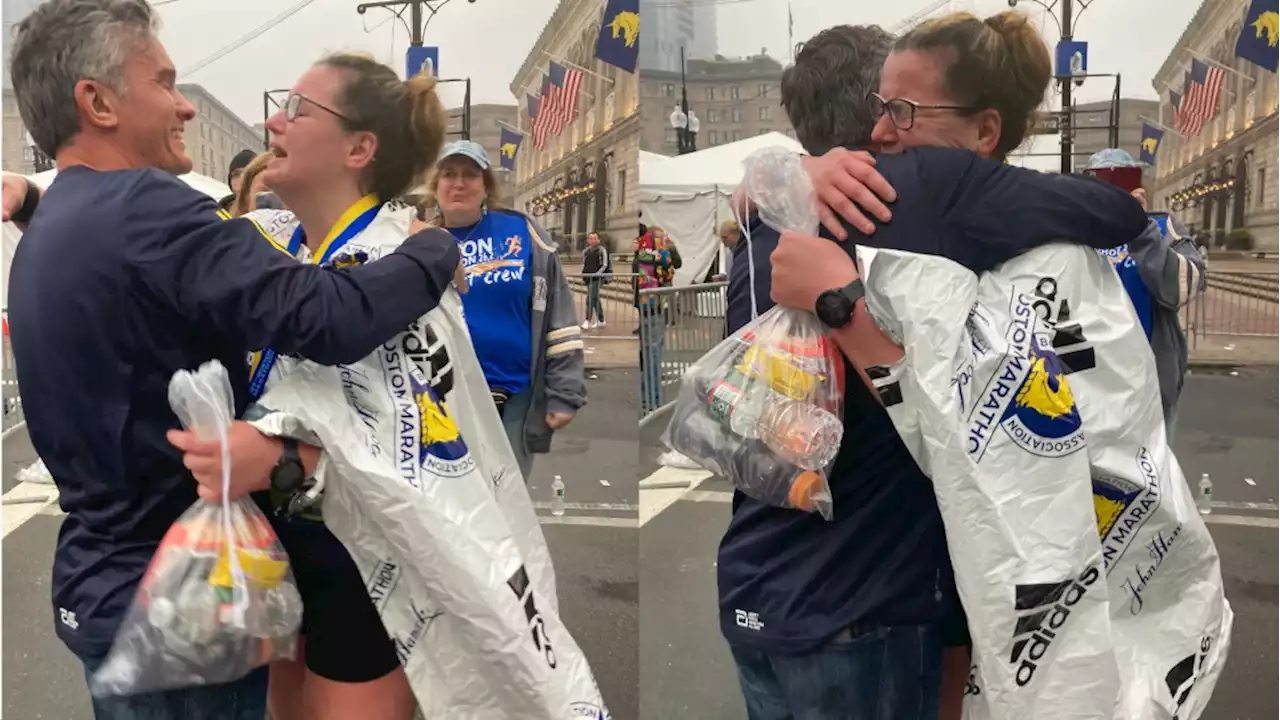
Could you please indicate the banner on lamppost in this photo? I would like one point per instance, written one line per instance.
(422, 59)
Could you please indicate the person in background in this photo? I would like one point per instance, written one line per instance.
(861, 607)
(251, 186)
(596, 269)
(728, 232)
(653, 269)
(519, 308)
(235, 176)
(161, 282)
(1162, 270)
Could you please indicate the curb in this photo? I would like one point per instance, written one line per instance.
(1223, 363)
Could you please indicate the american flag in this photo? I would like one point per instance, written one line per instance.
(565, 85)
(1204, 86)
(542, 122)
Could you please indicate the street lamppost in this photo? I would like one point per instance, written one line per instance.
(1065, 31)
(682, 118)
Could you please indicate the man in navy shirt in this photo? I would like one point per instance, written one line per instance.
(845, 619)
(125, 275)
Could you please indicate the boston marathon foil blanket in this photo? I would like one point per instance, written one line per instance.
(1029, 396)
(422, 487)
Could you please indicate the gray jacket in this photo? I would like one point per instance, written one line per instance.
(558, 353)
(1172, 270)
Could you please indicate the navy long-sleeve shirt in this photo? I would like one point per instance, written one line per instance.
(123, 278)
(882, 559)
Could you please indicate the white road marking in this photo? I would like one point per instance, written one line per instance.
(605, 483)
(664, 487)
(718, 496)
(1269, 523)
(22, 425)
(1250, 481)
(590, 521)
(25, 501)
(609, 507)
(1241, 505)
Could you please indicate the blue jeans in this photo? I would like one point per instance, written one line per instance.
(652, 327)
(593, 300)
(885, 673)
(514, 416)
(245, 699)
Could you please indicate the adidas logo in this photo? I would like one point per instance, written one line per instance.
(1043, 609)
(1181, 678)
(1074, 351)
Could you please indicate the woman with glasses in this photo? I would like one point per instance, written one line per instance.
(350, 137)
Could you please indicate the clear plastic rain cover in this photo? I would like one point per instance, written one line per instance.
(422, 487)
(1029, 396)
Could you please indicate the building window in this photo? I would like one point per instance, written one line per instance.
(733, 93)
(737, 114)
(620, 189)
(671, 137)
(1261, 189)
(1250, 107)
(762, 112)
(713, 138)
(668, 89)
(713, 115)
(764, 90)
(709, 93)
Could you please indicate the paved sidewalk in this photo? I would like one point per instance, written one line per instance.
(1233, 351)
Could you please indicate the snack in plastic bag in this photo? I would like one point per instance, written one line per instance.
(218, 599)
(763, 408)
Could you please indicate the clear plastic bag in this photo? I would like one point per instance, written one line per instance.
(218, 599)
(763, 409)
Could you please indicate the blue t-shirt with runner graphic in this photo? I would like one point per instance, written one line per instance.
(498, 303)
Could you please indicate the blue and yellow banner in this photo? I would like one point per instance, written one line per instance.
(1152, 136)
(508, 147)
(619, 41)
(1260, 34)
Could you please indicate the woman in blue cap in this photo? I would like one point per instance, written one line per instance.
(519, 308)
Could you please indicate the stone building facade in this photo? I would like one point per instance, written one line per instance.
(585, 179)
(733, 98)
(216, 134)
(1224, 179)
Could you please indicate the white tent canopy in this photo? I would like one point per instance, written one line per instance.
(688, 197)
(11, 233)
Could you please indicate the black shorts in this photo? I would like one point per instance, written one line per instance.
(345, 638)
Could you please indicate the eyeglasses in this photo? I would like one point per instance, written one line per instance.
(293, 104)
(902, 112)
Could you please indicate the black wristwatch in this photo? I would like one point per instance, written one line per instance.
(29, 203)
(834, 308)
(288, 475)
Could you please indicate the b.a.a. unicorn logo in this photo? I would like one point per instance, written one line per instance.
(1028, 396)
(1267, 25)
(1043, 417)
(441, 450)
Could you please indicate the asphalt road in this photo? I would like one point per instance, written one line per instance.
(1228, 427)
(594, 546)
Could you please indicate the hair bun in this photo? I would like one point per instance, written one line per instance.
(1010, 22)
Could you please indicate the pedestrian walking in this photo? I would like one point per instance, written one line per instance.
(597, 268)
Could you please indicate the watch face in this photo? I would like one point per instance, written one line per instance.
(288, 477)
(834, 309)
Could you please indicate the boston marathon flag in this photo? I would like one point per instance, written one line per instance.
(1261, 34)
(1152, 136)
(508, 146)
(619, 41)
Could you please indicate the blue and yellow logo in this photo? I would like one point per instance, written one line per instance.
(626, 24)
(1043, 417)
(1267, 25)
(1112, 496)
(441, 448)
(349, 258)
(1150, 144)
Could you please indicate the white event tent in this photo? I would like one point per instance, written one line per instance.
(688, 197)
(207, 185)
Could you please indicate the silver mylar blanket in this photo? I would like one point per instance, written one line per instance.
(422, 487)
(1029, 396)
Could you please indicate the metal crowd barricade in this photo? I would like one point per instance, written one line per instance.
(1235, 304)
(677, 327)
(12, 400)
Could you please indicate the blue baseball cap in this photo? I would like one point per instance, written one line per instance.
(1111, 158)
(468, 149)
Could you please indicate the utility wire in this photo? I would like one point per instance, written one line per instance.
(247, 37)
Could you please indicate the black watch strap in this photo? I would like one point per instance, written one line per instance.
(29, 204)
(288, 475)
(835, 307)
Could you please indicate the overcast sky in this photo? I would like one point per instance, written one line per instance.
(1131, 37)
(487, 40)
